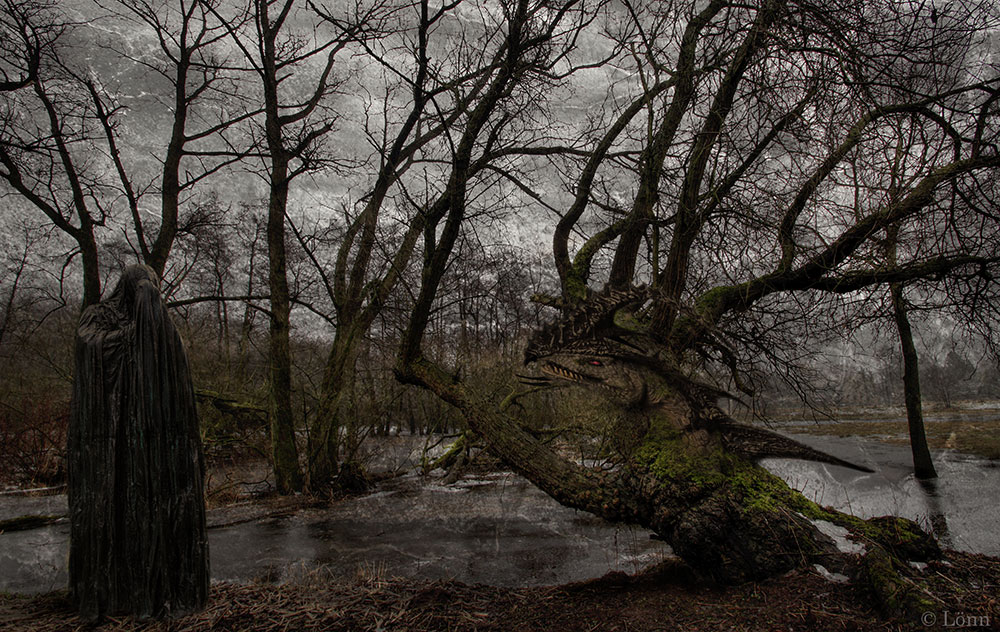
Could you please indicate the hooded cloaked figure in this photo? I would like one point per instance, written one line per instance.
(137, 515)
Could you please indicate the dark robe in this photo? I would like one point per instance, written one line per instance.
(137, 514)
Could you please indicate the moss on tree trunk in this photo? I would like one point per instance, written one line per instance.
(727, 517)
(734, 521)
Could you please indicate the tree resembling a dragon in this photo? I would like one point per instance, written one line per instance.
(686, 469)
(601, 344)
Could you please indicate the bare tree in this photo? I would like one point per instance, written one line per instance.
(46, 131)
(203, 102)
(923, 464)
(744, 161)
(467, 96)
(295, 122)
(72, 118)
(14, 273)
(26, 28)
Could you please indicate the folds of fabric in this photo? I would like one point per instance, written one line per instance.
(137, 541)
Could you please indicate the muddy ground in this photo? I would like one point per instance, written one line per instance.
(965, 590)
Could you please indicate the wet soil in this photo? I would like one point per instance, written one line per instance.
(667, 597)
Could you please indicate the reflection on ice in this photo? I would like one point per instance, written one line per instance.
(498, 529)
(962, 507)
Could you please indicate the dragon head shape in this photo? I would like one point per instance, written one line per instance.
(600, 344)
(597, 364)
(587, 347)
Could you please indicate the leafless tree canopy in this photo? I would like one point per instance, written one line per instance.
(386, 183)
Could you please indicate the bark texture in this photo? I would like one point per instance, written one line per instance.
(923, 464)
(680, 475)
(284, 451)
(137, 515)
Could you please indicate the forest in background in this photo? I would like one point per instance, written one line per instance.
(272, 167)
(228, 357)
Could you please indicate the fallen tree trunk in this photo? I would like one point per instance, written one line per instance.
(28, 522)
(730, 519)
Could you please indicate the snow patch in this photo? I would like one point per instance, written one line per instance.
(839, 536)
(836, 578)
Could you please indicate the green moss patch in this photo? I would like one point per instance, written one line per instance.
(671, 459)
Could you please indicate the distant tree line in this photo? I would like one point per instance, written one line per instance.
(345, 196)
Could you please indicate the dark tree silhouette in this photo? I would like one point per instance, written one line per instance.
(203, 102)
(469, 99)
(295, 122)
(43, 147)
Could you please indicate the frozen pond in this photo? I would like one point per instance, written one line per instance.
(962, 506)
(500, 530)
(497, 530)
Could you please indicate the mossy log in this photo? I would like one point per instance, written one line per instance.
(727, 517)
(733, 520)
(449, 457)
(229, 405)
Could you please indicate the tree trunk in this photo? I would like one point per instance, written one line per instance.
(324, 435)
(923, 465)
(91, 268)
(728, 518)
(287, 473)
(170, 178)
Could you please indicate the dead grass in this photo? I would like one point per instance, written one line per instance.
(971, 429)
(664, 598)
(976, 436)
